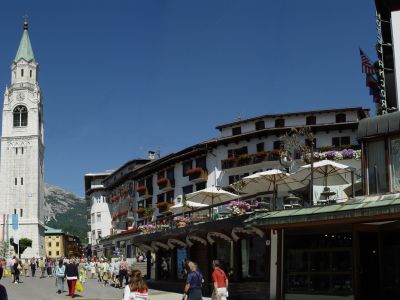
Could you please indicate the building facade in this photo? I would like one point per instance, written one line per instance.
(22, 148)
(98, 211)
(55, 243)
(141, 193)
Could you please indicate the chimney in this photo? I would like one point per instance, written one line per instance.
(151, 155)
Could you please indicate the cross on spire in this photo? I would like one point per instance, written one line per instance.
(25, 22)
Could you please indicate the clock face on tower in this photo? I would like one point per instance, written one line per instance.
(21, 97)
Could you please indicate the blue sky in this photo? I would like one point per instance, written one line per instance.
(122, 77)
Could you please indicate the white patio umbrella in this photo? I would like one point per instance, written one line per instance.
(189, 206)
(210, 196)
(326, 172)
(269, 181)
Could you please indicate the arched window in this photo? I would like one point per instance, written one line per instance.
(311, 120)
(20, 116)
(279, 123)
(340, 118)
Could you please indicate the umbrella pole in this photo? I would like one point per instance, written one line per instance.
(353, 192)
(312, 174)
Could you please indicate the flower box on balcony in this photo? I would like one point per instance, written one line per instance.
(162, 182)
(142, 189)
(165, 184)
(197, 174)
(244, 159)
(162, 204)
(140, 210)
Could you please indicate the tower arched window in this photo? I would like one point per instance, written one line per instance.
(20, 116)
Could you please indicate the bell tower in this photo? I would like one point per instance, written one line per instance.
(22, 148)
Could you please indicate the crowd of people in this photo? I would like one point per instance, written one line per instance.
(115, 272)
(74, 272)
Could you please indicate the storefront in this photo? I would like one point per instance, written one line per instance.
(243, 254)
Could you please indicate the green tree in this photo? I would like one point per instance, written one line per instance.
(23, 244)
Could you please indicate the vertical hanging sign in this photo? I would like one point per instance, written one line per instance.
(380, 72)
(15, 226)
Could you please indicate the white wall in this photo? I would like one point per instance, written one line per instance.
(291, 121)
(99, 205)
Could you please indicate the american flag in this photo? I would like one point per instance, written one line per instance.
(366, 65)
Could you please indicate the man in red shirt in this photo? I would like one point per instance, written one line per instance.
(220, 282)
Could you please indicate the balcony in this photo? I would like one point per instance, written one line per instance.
(163, 207)
(250, 159)
(144, 191)
(165, 184)
(197, 174)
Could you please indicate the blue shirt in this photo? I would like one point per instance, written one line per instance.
(195, 280)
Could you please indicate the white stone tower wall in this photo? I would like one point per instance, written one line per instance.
(24, 197)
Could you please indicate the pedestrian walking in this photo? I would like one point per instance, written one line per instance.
(17, 270)
(48, 268)
(105, 270)
(100, 270)
(82, 271)
(123, 272)
(60, 276)
(220, 291)
(92, 269)
(33, 266)
(71, 273)
(194, 283)
(137, 287)
(116, 273)
(25, 267)
(42, 266)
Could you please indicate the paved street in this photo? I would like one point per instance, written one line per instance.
(45, 289)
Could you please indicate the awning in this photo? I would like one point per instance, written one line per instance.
(384, 124)
(366, 207)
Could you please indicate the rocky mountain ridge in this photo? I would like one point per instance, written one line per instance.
(65, 210)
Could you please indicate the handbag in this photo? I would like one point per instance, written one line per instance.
(79, 286)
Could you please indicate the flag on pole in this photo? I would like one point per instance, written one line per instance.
(366, 66)
(15, 226)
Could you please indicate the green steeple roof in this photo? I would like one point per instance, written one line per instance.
(25, 48)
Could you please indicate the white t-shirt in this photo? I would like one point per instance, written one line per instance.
(128, 295)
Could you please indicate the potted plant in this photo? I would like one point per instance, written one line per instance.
(141, 190)
(238, 207)
(162, 205)
(148, 212)
(140, 210)
(194, 171)
(146, 229)
(182, 221)
(162, 183)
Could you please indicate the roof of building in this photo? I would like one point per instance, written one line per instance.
(310, 112)
(50, 230)
(384, 124)
(25, 48)
(360, 208)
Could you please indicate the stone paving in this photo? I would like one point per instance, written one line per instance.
(45, 289)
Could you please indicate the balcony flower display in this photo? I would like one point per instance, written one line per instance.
(238, 207)
(194, 171)
(148, 212)
(334, 155)
(162, 181)
(140, 210)
(182, 221)
(146, 229)
(261, 154)
(162, 204)
(141, 188)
